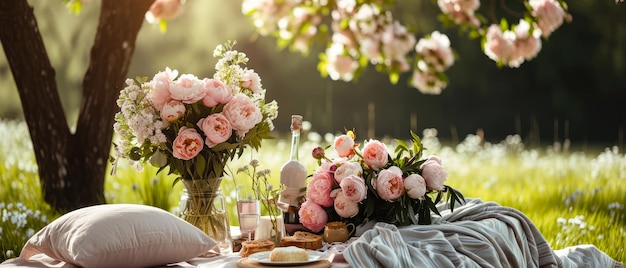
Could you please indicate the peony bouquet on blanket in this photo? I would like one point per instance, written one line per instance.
(366, 183)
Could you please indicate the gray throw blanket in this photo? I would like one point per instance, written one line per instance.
(477, 234)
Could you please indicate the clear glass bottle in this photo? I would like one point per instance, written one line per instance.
(293, 176)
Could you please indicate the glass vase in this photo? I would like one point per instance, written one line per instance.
(203, 205)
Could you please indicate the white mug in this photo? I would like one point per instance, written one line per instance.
(264, 230)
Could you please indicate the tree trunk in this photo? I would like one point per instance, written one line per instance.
(71, 166)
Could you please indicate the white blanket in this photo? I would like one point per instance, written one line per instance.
(477, 234)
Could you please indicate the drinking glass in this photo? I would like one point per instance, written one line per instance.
(248, 210)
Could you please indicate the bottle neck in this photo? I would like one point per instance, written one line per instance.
(295, 141)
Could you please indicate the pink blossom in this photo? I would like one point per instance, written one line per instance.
(216, 128)
(242, 113)
(251, 80)
(160, 87)
(549, 14)
(348, 169)
(435, 51)
(187, 144)
(172, 110)
(163, 9)
(345, 207)
(375, 154)
(415, 186)
(340, 65)
(187, 89)
(319, 189)
(312, 216)
(389, 184)
(499, 45)
(344, 145)
(216, 92)
(434, 174)
(461, 11)
(427, 82)
(353, 188)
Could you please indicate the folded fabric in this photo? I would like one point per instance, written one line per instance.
(477, 234)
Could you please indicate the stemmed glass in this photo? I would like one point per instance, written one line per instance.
(248, 210)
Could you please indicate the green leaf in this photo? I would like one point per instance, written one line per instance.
(200, 165)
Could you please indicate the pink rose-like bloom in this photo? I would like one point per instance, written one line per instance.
(312, 216)
(242, 113)
(163, 9)
(375, 154)
(353, 188)
(348, 169)
(434, 174)
(319, 188)
(345, 207)
(549, 13)
(187, 144)
(499, 45)
(188, 89)
(216, 128)
(216, 92)
(172, 110)
(251, 80)
(343, 145)
(415, 186)
(160, 87)
(427, 82)
(389, 184)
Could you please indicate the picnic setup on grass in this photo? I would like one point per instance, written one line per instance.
(364, 205)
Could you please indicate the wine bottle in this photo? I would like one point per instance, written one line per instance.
(293, 176)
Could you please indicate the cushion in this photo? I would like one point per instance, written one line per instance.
(119, 235)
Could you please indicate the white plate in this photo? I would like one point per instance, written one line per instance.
(264, 258)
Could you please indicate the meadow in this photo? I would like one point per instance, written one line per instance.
(573, 196)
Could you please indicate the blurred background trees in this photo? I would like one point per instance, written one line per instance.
(574, 89)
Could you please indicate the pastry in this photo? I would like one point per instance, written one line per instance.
(302, 239)
(254, 246)
(288, 254)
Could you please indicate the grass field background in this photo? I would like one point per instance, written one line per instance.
(574, 196)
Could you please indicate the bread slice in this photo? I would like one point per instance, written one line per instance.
(302, 239)
(250, 247)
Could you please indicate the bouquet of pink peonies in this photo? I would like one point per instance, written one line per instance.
(358, 186)
(194, 125)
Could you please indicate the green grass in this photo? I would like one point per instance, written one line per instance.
(575, 197)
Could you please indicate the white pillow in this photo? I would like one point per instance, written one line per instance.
(119, 235)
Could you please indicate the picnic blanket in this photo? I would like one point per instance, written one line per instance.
(478, 234)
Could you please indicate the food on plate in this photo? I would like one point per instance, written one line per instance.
(288, 254)
(250, 247)
(302, 239)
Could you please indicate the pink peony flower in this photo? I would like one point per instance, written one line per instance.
(344, 145)
(188, 89)
(375, 154)
(216, 92)
(389, 184)
(348, 169)
(163, 9)
(172, 110)
(353, 188)
(251, 80)
(434, 174)
(242, 113)
(345, 207)
(415, 186)
(319, 189)
(216, 128)
(312, 216)
(160, 87)
(187, 144)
